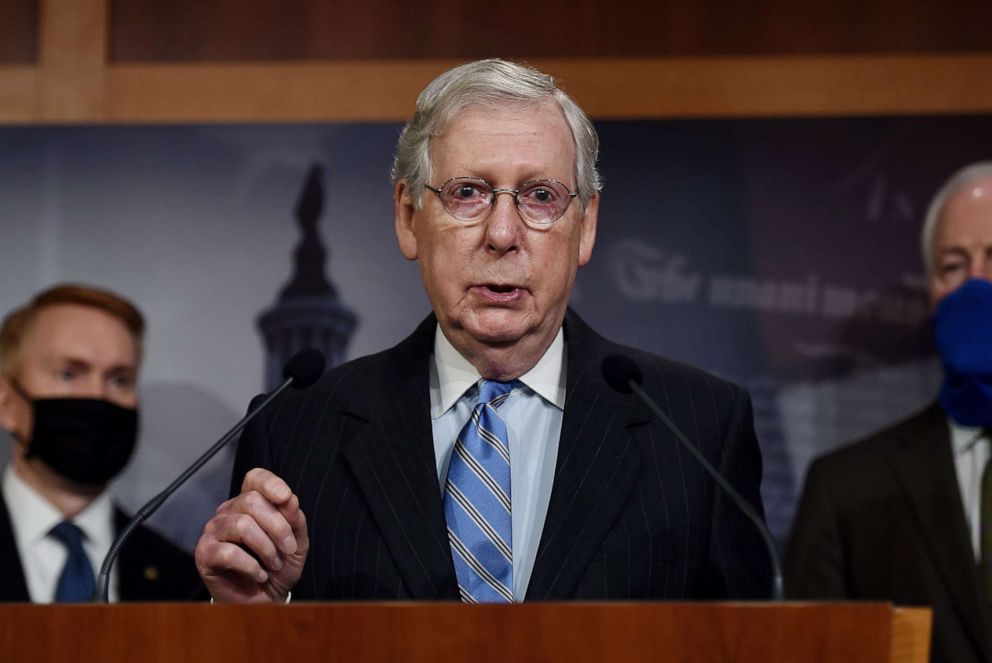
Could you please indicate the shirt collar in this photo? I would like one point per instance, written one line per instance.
(33, 517)
(964, 438)
(456, 375)
(30, 514)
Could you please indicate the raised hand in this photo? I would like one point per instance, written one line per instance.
(254, 548)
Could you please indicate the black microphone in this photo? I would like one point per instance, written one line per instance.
(622, 374)
(302, 370)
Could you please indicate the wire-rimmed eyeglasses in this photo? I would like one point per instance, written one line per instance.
(469, 199)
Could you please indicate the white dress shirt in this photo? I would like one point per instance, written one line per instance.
(42, 556)
(971, 452)
(533, 416)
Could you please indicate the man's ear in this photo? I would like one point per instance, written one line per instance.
(406, 233)
(8, 401)
(587, 229)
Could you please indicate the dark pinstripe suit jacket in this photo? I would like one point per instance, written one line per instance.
(631, 514)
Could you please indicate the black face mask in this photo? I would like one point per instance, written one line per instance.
(86, 440)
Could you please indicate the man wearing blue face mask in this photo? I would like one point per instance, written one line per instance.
(906, 516)
(68, 397)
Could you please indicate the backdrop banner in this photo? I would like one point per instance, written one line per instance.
(782, 254)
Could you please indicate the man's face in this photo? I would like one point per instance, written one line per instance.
(962, 242)
(70, 351)
(499, 288)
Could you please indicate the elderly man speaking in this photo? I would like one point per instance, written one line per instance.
(485, 458)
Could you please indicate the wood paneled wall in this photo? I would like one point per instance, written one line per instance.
(191, 30)
(311, 60)
(18, 31)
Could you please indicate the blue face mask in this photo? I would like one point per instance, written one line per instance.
(962, 328)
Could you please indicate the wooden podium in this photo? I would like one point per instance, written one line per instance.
(450, 632)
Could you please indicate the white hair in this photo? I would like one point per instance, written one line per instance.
(489, 84)
(964, 176)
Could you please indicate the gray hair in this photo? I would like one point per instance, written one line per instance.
(489, 84)
(963, 177)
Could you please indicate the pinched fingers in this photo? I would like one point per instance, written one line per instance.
(256, 543)
(277, 493)
(268, 484)
(298, 521)
(221, 558)
(252, 521)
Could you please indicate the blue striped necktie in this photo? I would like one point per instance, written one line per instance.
(477, 502)
(76, 583)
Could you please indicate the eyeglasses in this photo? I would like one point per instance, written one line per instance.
(540, 202)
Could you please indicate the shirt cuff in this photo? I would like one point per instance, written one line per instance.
(289, 597)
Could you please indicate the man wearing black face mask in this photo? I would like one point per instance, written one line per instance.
(68, 370)
(906, 516)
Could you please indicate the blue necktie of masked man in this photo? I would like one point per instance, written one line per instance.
(76, 583)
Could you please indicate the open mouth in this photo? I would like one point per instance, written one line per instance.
(500, 292)
(500, 288)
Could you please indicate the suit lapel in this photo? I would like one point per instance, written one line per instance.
(13, 587)
(392, 457)
(597, 465)
(925, 470)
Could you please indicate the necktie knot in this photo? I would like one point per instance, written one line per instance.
(69, 534)
(495, 393)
